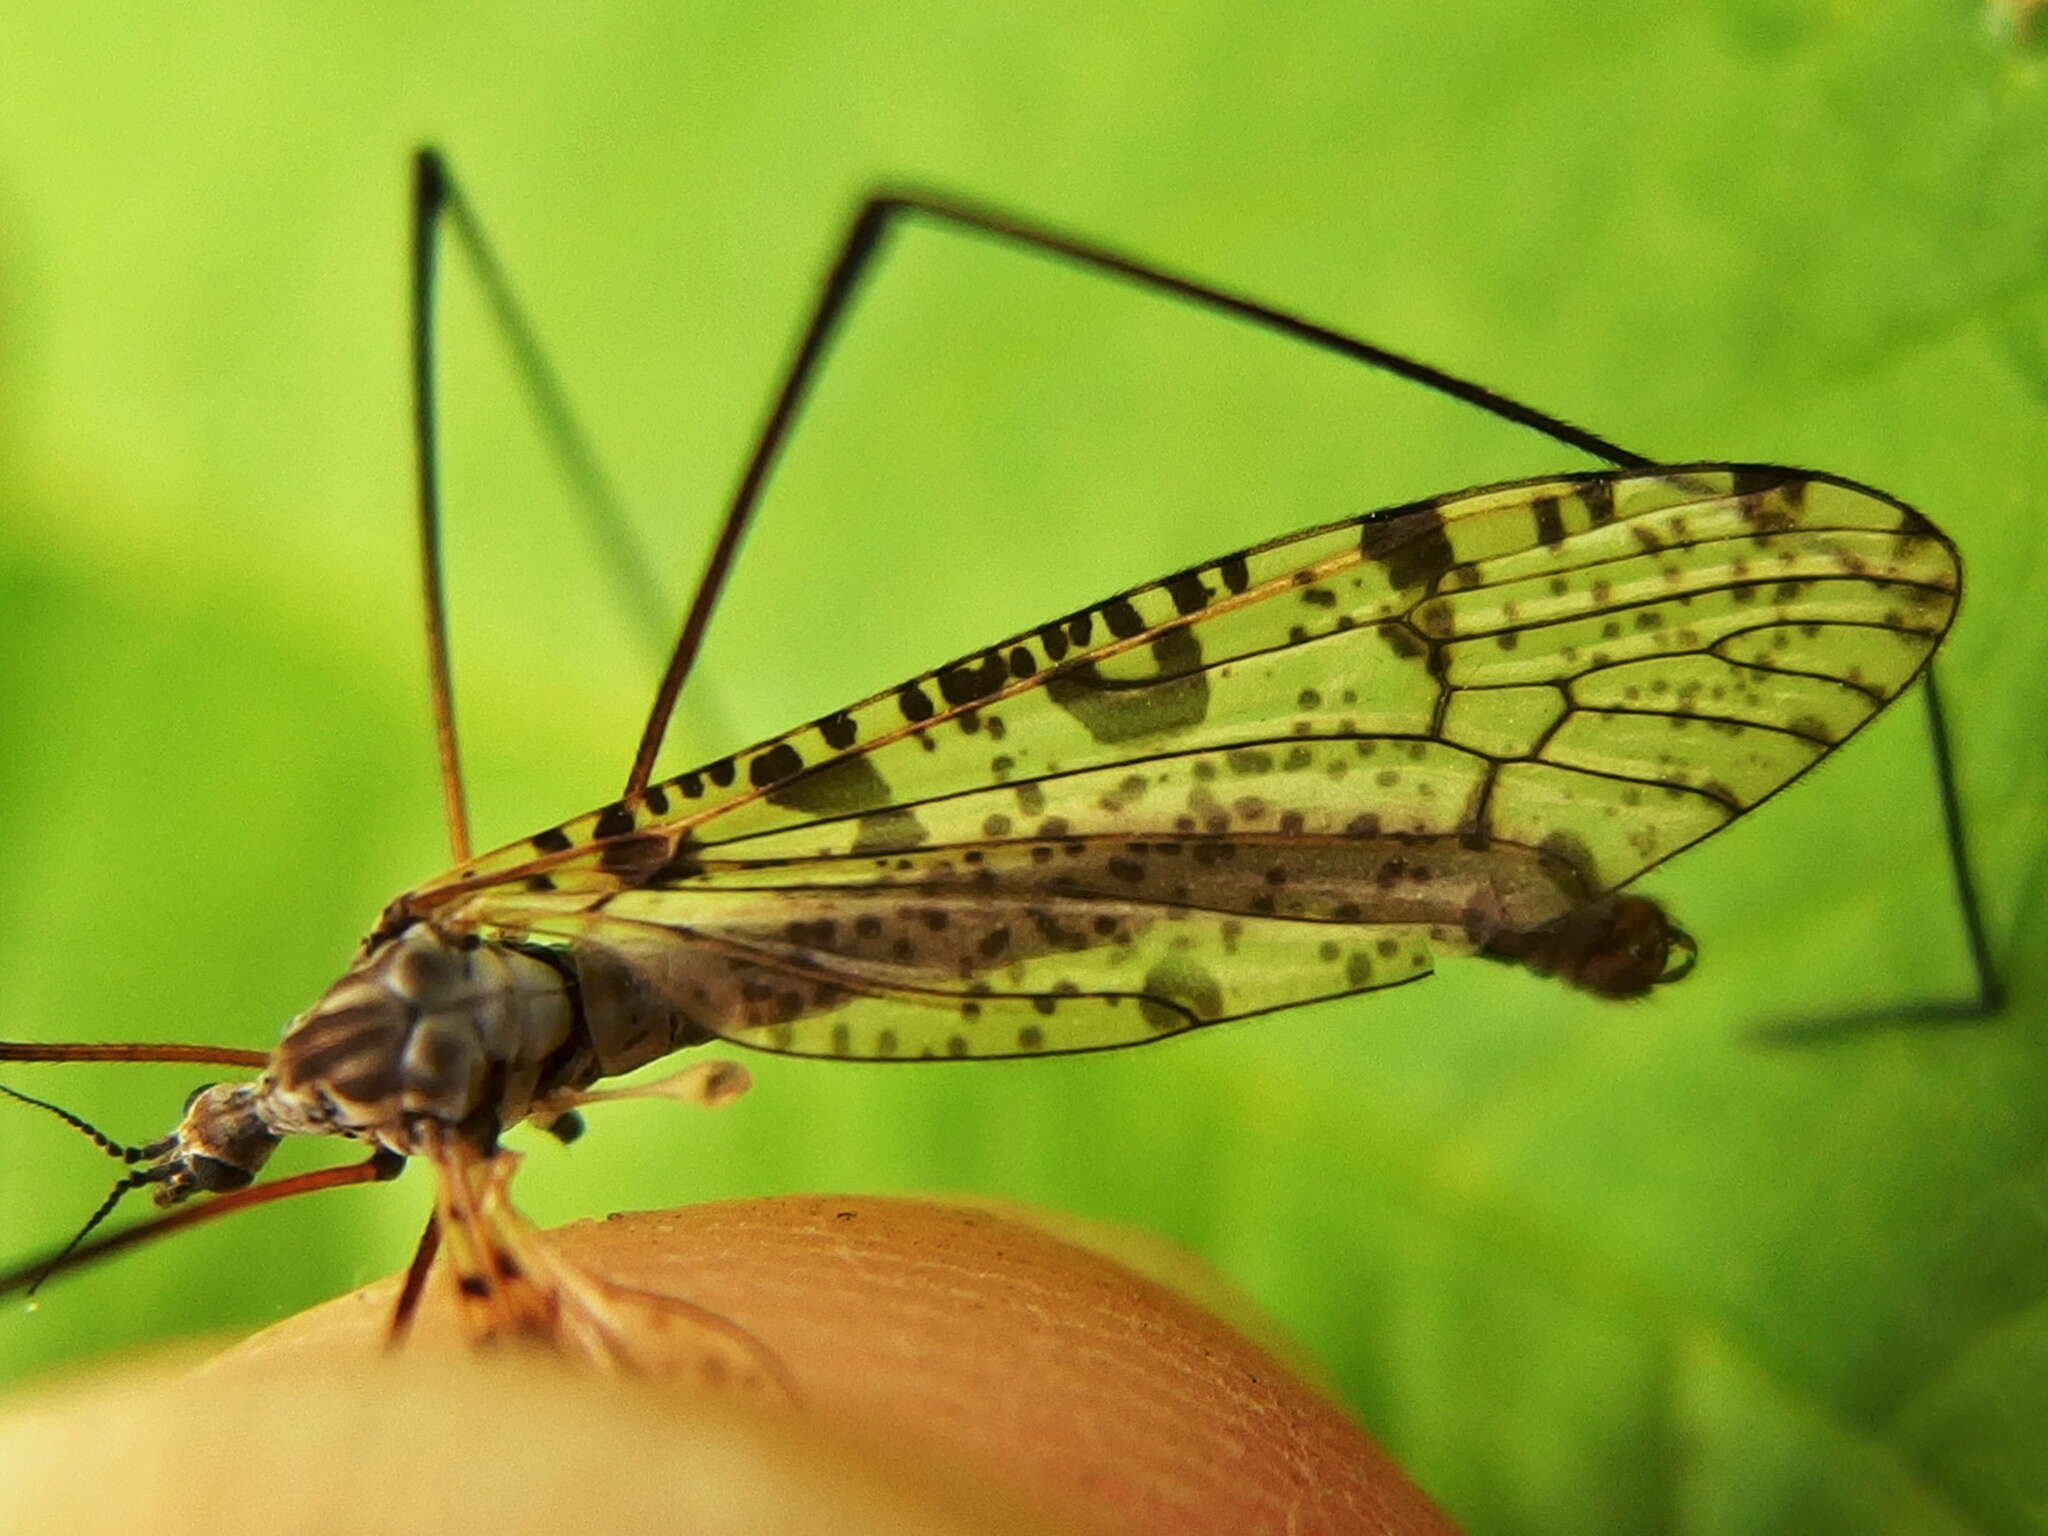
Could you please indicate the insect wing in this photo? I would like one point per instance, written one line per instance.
(1292, 773)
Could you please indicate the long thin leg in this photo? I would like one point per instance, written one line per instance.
(141, 1050)
(437, 200)
(380, 1166)
(632, 573)
(858, 249)
(429, 192)
(1990, 997)
(415, 1285)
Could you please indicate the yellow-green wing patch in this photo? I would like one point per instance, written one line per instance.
(1477, 713)
(1709, 630)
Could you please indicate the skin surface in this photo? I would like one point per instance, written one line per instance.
(950, 1361)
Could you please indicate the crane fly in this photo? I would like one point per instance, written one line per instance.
(1304, 770)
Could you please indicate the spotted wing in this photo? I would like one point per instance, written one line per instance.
(1289, 774)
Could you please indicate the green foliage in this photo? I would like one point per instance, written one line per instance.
(1583, 1268)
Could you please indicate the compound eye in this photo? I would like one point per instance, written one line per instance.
(216, 1176)
(195, 1095)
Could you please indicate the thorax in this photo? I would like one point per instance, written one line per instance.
(458, 1029)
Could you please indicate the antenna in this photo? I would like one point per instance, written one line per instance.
(122, 1185)
(92, 1133)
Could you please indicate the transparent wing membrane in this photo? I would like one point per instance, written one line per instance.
(1291, 773)
(1543, 622)
(868, 974)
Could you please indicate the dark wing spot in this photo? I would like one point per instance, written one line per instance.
(633, 859)
(1188, 592)
(1401, 640)
(681, 865)
(1177, 993)
(1750, 479)
(1124, 709)
(554, 840)
(889, 831)
(1124, 621)
(1413, 545)
(966, 682)
(779, 762)
(841, 787)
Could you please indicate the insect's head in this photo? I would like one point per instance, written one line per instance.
(221, 1143)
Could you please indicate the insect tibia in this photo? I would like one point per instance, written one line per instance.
(210, 1055)
(1617, 947)
(92, 1133)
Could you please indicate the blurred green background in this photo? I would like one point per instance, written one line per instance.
(1581, 1267)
